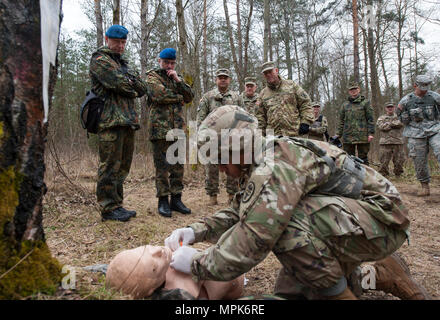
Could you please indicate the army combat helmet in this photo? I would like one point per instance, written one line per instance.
(230, 129)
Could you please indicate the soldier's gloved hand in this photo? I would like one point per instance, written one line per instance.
(182, 259)
(184, 235)
(303, 128)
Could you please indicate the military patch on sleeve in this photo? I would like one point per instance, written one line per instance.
(99, 58)
(248, 192)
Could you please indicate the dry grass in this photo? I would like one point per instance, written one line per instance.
(78, 238)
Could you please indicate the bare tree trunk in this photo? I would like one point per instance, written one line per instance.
(355, 41)
(266, 18)
(116, 11)
(205, 54)
(364, 42)
(99, 29)
(246, 41)
(240, 44)
(232, 45)
(26, 265)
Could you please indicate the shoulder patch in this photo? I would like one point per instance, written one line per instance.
(248, 192)
(99, 58)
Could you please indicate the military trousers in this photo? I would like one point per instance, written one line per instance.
(212, 181)
(169, 177)
(329, 237)
(362, 150)
(388, 152)
(116, 147)
(418, 150)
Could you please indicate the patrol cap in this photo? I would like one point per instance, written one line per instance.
(389, 104)
(168, 53)
(353, 85)
(222, 72)
(316, 104)
(116, 31)
(269, 65)
(423, 81)
(250, 80)
(229, 117)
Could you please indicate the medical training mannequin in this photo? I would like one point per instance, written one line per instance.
(140, 271)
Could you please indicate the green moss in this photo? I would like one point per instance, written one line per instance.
(38, 272)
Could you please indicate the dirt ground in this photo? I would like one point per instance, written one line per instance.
(78, 238)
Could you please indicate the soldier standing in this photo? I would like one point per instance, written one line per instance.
(316, 208)
(210, 101)
(356, 124)
(168, 95)
(318, 130)
(118, 86)
(419, 112)
(250, 96)
(391, 141)
(283, 105)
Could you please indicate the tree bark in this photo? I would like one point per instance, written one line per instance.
(116, 11)
(355, 41)
(232, 45)
(246, 41)
(266, 18)
(99, 28)
(205, 54)
(26, 265)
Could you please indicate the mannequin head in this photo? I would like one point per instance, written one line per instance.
(139, 271)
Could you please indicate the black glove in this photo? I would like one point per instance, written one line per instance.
(303, 128)
(335, 141)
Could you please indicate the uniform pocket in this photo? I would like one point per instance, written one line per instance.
(108, 136)
(429, 113)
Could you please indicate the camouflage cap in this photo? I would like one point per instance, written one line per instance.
(225, 123)
(269, 65)
(222, 72)
(353, 85)
(389, 103)
(250, 80)
(423, 81)
(316, 104)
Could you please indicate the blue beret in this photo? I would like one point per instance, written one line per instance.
(168, 53)
(117, 32)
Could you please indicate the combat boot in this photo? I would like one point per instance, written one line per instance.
(424, 192)
(164, 207)
(213, 200)
(117, 214)
(177, 204)
(344, 295)
(393, 276)
(132, 213)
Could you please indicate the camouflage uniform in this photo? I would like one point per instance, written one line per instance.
(422, 128)
(283, 108)
(112, 80)
(318, 128)
(166, 100)
(249, 102)
(210, 102)
(390, 143)
(321, 226)
(356, 123)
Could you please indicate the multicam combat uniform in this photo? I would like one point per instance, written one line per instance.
(421, 117)
(210, 102)
(356, 123)
(119, 120)
(318, 221)
(249, 102)
(318, 128)
(166, 100)
(283, 108)
(390, 144)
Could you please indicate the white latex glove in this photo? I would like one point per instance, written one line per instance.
(184, 235)
(182, 258)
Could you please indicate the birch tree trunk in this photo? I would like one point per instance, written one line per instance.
(116, 11)
(99, 28)
(26, 265)
(355, 41)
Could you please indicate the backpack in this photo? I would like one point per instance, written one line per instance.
(91, 110)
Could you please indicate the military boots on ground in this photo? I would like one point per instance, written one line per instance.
(164, 207)
(393, 276)
(424, 192)
(177, 204)
(118, 214)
